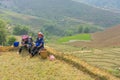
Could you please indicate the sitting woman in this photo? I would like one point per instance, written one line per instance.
(30, 44)
(39, 44)
(24, 43)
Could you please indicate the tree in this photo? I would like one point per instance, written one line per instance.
(20, 30)
(16, 30)
(86, 30)
(69, 33)
(80, 29)
(52, 30)
(11, 40)
(3, 33)
(24, 30)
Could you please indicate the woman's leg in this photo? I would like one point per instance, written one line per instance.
(33, 50)
(20, 50)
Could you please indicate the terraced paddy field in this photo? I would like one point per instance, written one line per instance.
(107, 59)
(21, 67)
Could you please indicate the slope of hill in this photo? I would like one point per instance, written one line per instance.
(63, 12)
(107, 38)
(107, 4)
(42, 24)
(104, 58)
(21, 67)
(18, 18)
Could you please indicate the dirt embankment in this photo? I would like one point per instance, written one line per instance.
(108, 38)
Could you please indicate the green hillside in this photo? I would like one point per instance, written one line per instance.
(17, 18)
(64, 12)
(45, 25)
(57, 17)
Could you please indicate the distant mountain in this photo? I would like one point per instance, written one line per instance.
(107, 4)
(64, 13)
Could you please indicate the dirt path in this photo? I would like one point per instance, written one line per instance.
(21, 67)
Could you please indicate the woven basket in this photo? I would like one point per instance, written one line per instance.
(43, 53)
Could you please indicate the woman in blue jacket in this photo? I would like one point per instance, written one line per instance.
(39, 44)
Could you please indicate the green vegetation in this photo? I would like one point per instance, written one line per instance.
(61, 13)
(55, 19)
(11, 40)
(75, 19)
(75, 37)
(49, 28)
(19, 18)
(3, 32)
(87, 28)
(20, 30)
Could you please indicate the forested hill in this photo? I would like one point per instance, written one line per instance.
(63, 12)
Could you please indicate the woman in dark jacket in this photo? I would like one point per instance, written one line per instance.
(39, 44)
(27, 43)
(24, 43)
